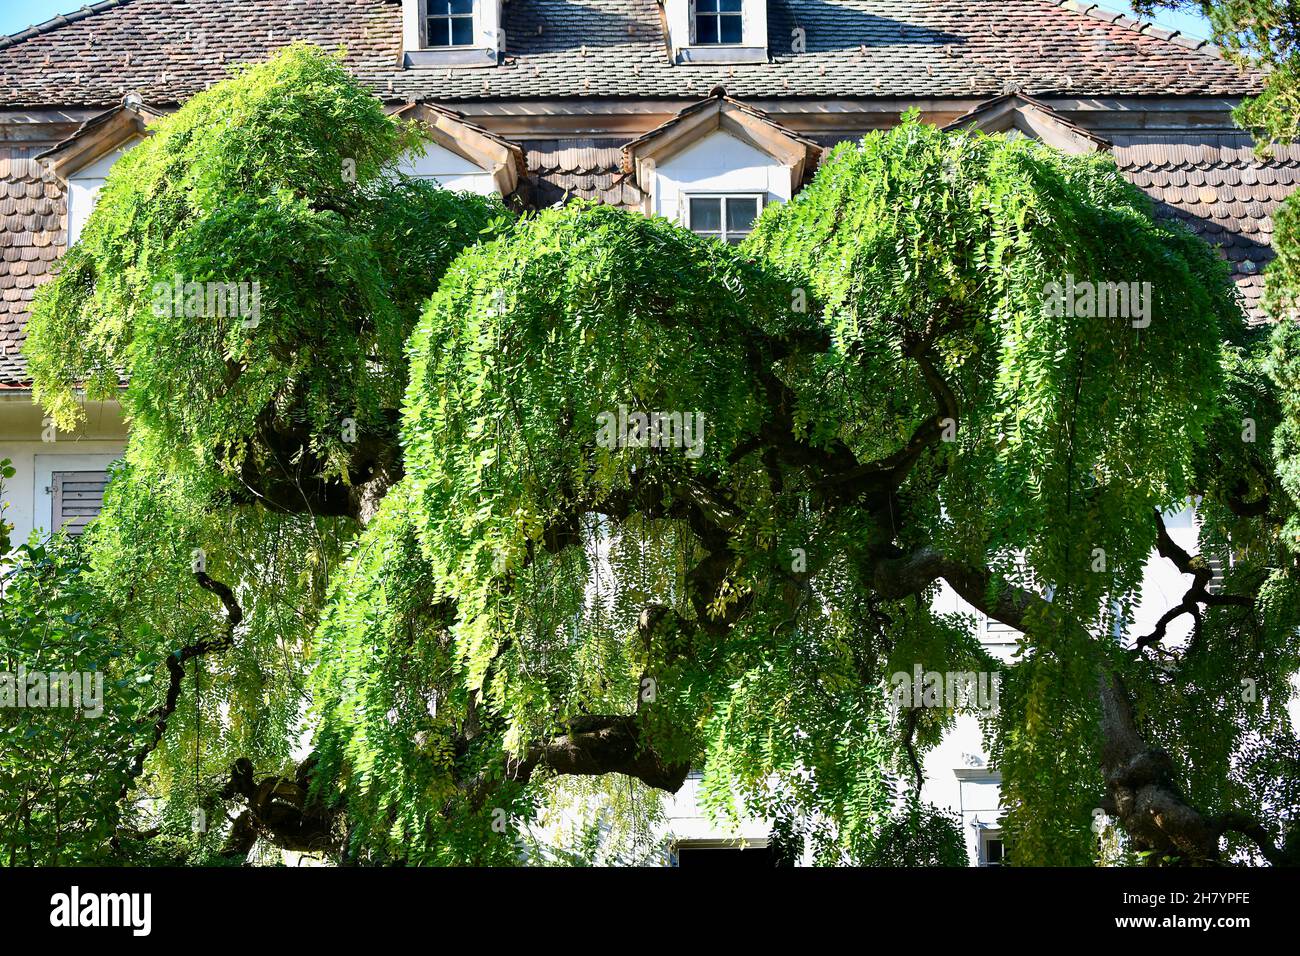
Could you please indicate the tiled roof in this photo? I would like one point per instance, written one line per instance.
(561, 169)
(31, 238)
(1222, 190)
(166, 50)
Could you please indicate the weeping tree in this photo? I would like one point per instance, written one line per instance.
(492, 518)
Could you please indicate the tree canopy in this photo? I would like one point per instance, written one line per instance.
(493, 516)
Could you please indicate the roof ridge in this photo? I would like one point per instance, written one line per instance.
(1144, 27)
(62, 19)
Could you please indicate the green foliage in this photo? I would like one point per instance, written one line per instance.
(882, 393)
(919, 835)
(6, 544)
(249, 701)
(1073, 427)
(64, 751)
(278, 179)
(279, 176)
(1240, 666)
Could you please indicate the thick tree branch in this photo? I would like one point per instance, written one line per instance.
(1197, 595)
(281, 810)
(1141, 786)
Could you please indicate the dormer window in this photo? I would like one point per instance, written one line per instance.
(716, 31)
(718, 22)
(452, 33)
(450, 23)
(716, 164)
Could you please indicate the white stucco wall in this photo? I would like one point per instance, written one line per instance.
(99, 442)
(687, 820)
(84, 186)
(449, 170)
(717, 163)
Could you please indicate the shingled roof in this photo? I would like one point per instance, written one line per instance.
(1222, 191)
(166, 50)
(32, 227)
(563, 169)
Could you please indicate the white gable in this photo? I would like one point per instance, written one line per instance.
(717, 163)
(84, 186)
(449, 170)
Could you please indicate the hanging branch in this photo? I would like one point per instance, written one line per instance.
(176, 674)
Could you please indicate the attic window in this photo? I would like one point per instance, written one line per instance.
(716, 31)
(439, 34)
(726, 217)
(718, 22)
(448, 23)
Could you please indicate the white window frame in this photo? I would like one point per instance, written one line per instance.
(483, 50)
(472, 16)
(679, 17)
(722, 232)
(694, 15)
(985, 837)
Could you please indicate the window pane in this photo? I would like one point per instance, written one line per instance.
(706, 6)
(741, 213)
(730, 5)
(437, 31)
(439, 8)
(461, 6)
(462, 31)
(706, 30)
(730, 28)
(706, 215)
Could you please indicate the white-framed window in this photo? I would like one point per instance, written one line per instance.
(992, 848)
(448, 23)
(717, 22)
(716, 31)
(726, 216)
